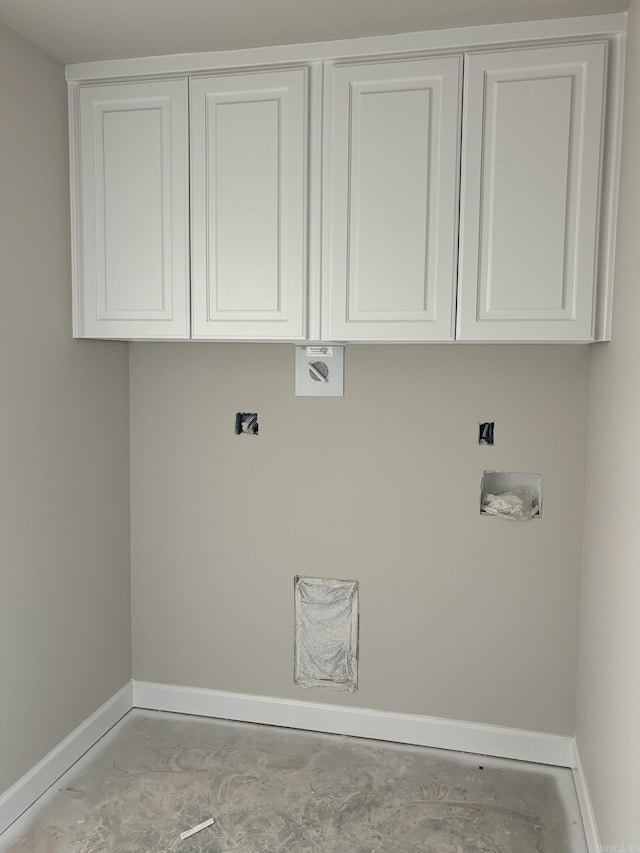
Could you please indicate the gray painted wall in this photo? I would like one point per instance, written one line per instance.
(462, 616)
(64, 500)
(609, 683)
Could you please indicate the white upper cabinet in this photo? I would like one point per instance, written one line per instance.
(421, 187)
(248, 205)
(391, 153)
(531, 158)
(131, 264)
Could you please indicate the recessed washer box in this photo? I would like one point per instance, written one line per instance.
(526, 485)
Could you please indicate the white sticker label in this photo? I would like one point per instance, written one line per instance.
(322, 352)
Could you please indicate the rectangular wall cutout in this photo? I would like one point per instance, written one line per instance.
(326, 619)
(516, 496)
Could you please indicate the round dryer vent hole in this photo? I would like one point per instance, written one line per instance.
(319, 371)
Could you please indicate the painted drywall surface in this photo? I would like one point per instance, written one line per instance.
(609, 671)
(120, 28)
(461, 615)
(64, 537)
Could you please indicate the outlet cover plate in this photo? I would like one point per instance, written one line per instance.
(328, 361)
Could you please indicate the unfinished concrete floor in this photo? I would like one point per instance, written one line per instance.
(155, 775)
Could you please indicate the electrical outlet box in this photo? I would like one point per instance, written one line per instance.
(319, 371)
(486, 433)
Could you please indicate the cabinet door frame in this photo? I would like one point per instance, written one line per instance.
(283, 95)
(434, 318)
(92, 316)
(569, 316)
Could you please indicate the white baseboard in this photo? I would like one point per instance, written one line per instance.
(33, 784)
(378, 725)
(311, 716)
(586, 807)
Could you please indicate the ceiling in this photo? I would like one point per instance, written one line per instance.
(84, 30)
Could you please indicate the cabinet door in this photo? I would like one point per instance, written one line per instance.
(529, 199)
(248, 205)
(390, 202)
(132, 269)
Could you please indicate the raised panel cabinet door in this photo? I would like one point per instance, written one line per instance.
(133, 173)
(532, 128)
(248, 205)
(390, 199)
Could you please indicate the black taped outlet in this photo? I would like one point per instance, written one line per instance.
(485, 433)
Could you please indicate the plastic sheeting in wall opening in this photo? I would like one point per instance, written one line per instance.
(515, 496)
(326, 633)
